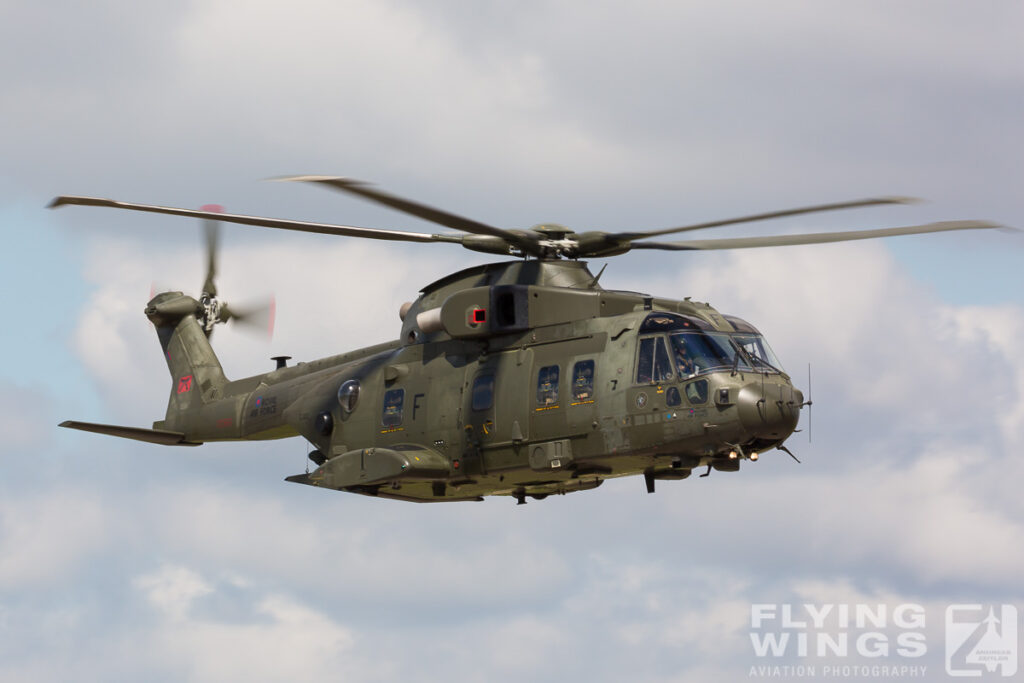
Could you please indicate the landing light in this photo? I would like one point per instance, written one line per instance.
(754, 456)
(733, 455)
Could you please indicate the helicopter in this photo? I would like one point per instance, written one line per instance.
(523, 378)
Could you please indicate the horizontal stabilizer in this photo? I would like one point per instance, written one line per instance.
(158, 436)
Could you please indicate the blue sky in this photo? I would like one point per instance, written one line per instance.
(126, 561)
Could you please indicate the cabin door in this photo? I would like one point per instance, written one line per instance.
(495, 415)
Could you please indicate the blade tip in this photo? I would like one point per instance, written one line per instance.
(296, 178)
(899, 199)
(974, 225)
(65, 199)
(60, 201)
(332, 179)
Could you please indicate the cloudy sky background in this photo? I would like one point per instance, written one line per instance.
(123, 561)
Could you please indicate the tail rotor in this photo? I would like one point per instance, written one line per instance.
(210, 310)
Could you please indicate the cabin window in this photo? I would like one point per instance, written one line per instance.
(697, 392)
(348, 395)
(393, 407)
(547, 386)
(483, 392)
(672, 397)
(653, 363)
(583, 380)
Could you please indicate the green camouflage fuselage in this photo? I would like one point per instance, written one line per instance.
(521, 378)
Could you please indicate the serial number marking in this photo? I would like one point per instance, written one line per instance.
(264, 406)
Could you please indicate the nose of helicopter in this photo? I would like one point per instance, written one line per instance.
(769, 410)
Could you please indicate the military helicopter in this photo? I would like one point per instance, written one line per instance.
(523, 378)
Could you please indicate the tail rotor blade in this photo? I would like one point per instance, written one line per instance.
(258, 317)
(211, 229)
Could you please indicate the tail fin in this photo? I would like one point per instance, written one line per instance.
(196, 375)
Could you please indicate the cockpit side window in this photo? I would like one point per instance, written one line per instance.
(645, 361)
(662, 365)
(653, 364)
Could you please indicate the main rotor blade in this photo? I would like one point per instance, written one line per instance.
(429, 213)
(814, 238)
(301, 226)
(765, 216)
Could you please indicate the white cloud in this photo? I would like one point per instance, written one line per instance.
(46, 536)
(280, 638)
(239, 529)
(23, 416)
(363, 80)
(918, 518)
(996, 330)
(172, 590)
(522, 646)
(566, 99)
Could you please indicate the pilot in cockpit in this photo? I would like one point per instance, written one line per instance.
(683, 361)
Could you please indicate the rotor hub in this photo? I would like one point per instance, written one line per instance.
(211, 312)
(556, 240)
